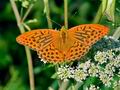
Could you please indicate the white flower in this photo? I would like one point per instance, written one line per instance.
(79, 75)
(109, 69)
(100, 57)
(93, 87)
(93, 70)
(84, 66)
(110, 54)
(106, 80)
(116, 61)
(64, 72)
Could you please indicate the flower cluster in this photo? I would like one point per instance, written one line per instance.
(105, 66)
(92, 87)
(64, 72)
(26, 3)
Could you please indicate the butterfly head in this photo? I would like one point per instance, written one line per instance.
(63, 32)
(63, 28)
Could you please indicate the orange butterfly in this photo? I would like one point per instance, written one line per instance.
(65, 45)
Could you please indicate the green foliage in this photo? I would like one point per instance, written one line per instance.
(5, 58)
(13, 64)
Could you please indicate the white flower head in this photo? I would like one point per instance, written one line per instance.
(93, 87)
(116, 61)
(110, 54)
(100, 57)
(109, 69)
(85, 66)
(64, 72)
(106, 80)
(79, 75)
(93, 70)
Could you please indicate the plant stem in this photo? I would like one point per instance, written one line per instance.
(116, 34)
(28, 54)
(78, 84)
(66, 13)
(98, 15)
(47, 11)
(27, 12)
(64, 85)
(30, 68)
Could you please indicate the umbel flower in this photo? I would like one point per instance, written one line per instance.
(64, 72)
(26, 3)
(92, 87)
(79, 75)
(104, 65)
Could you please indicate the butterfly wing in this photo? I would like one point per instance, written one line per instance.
(84, 36)
(44, 42)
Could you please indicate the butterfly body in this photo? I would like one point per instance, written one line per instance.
(64, 45)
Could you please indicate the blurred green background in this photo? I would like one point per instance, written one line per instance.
(13, 63)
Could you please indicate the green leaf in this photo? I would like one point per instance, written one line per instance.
(90, 80)
(110, 10)
(54, 76)
(5, 58)
(104, 5)
(15, 82)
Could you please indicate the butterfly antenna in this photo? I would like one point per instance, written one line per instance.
(75, 12)
(55, 22)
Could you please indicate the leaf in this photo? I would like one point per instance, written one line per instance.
(116, 34)
(54, 76)
(104, 5)
(90, 80)
(15, 82)
(110, 10)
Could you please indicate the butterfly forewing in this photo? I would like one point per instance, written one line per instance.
(44, 42)
(84, 36)
(36, 39)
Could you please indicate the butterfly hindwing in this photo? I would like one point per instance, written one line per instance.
(51, 54)
(84, 36)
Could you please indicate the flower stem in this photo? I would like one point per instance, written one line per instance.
(27, 12)
(98, 15)
(28, 54)
(64, 85)
(66, 13)
(116, 34)
(47, 11)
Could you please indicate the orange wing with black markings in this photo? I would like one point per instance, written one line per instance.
(65, 45)
(84, 36)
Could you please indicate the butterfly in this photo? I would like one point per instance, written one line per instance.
(55, 46)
